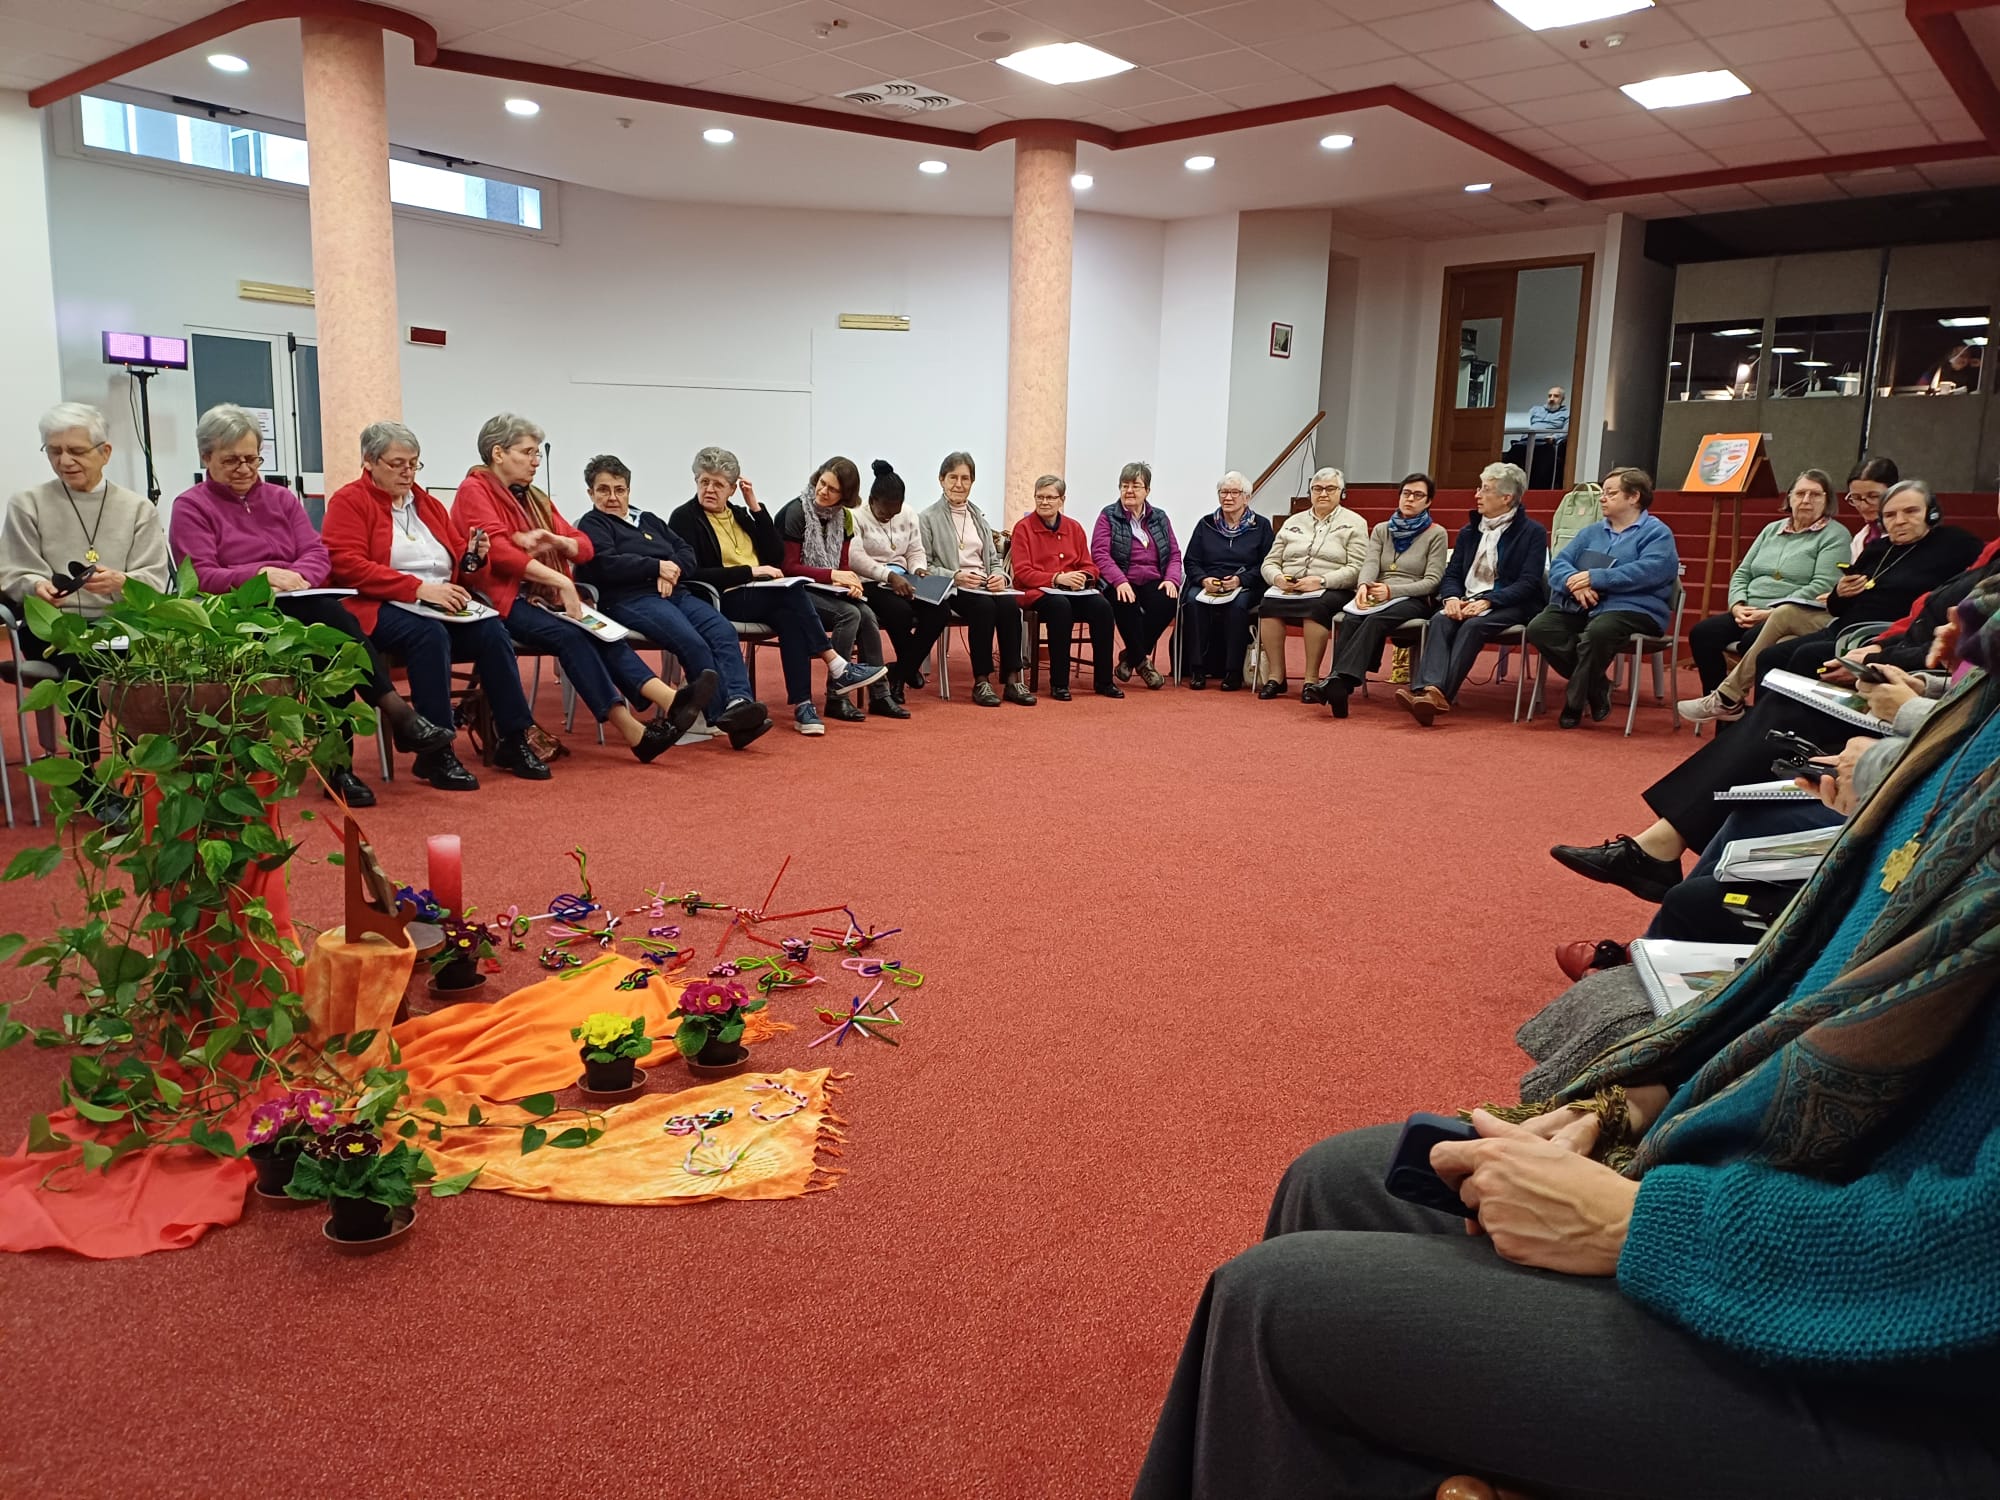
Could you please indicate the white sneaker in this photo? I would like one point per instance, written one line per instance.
(1712, 706)
(698, 731)
(807, 718)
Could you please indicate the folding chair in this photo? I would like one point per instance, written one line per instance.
(24, 674)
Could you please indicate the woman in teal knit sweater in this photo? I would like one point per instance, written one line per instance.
(1771, 1219)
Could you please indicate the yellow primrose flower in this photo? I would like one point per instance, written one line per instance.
(604, 1028)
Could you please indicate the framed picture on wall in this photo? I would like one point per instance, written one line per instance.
(1281, 341)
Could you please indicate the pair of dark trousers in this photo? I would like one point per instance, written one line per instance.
(602, 674)
(1710, 640)
(1803, 655)
(857, 635)
(1581, 647)
(1058, 613)
(83, 727)
(1451, 647)
(802, 639)
(692, 630)
(1368, 1349)
(986, 616)
(427, 648)
(912, 626)
(1685, 796)
(1695, 911)
(1217, 635)
(1141, 621)
(1358, 639)
(329, 610)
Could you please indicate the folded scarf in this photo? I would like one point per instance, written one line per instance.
(1404, 530)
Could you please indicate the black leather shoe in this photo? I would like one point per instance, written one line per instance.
(442, 769)
(983, 694)
(1621, 862)
(514, 753)
(840, 706)
(1197, 682)
(895, 688)
(660, 736)
(349, 788)
(743, 739)
(1313, 692)
(913, 680)
(1232, 684)
(1337, 692)
(1569, 718)
(1110, 690)
(1016, 692)
(1600, 707)
(695, 695)
(418, 734)
(884, 706)
(1060, 694)
(1270, 689)
(1122, 671)
(744, 713)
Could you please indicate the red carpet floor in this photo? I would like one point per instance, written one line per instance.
(1169, 941)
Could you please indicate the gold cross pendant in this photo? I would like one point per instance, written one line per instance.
(1896, 868)
(90, 556)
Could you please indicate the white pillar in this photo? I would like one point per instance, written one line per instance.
(31, 372)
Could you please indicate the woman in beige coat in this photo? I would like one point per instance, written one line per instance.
(1310, 572)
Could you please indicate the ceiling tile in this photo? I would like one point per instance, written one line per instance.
(1906, 57)
(458, 19)
(904, 55)
(1454, 96)
(1537, 83)
(1270, 20)
(1715, 18)
(1814, 189)
(761, 86)
(1226, 70)
(1139, 86)
(1889, 138)
(743, 46)
(1783, 43)
(801, 23)
(60, 42)
(1493, 118)
(1336, 47)
(1746, 132)
(1408, 72)
(1858, 7)
(1757, 153)
(655, 20)
(1673, 164)
(1173, 111)
(1882, 116)
(1483, 59)
(915, 13)
(110, 22)
(1382, 10)
(1811, 72)
(1280, 91)
(973, 82)
(1619, 67)
(1923, 87)
(1878, 28)
(567, 36)
(1595, 172)
(1883, 184)
(736, 10)
(1954, 127)
(1090, 18)
(1567, 157)
(832, 74)
(1171, 40)
(1021, 33)
(1112, 119)
(1466, 21)
(1565, 109)
(1719, 200)
(663, 62)
(968, 117)
(1856, 91)
(1533, 138)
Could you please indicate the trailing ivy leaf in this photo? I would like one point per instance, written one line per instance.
(43, 1137)
(540, 1105)
(96, 1156)
(281, 1030)
(360, 1042)
(215, 857)
(10, 944)
(408, 1128)
(35, 864)
(117, 964)
(533, 1138)
(97, 1114)
(169, 1091)
(155, 753)
(473, 1115)
(571, 1138)
(208, 1138)
(451, 1187)
(434, 1105)
(240, 799)
(57, 770)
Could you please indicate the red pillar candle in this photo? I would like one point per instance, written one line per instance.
(447, 872)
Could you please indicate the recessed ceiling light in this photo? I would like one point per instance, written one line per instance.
(1479, 187)
(1199, 163)
(1542, 15)
(1812, 364)
(1686, 88)
(1963, 322)
(1083, 182)
(523, 107)
(1673, 364)
(1335, 142)
(227, 62)
(1977, 343)
(715, 135)
(1064, 62)
(1736, 333)
(993, 38)
(1786, 349)
(931, 168)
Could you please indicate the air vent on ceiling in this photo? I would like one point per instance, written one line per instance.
(899, 96)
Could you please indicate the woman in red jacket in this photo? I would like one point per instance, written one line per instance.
(527, 579)
(1051, 552)
(395, 546)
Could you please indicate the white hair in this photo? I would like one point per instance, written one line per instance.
(1233, 480)
(222, 425)
(1510, 477)
(1331, 476)
(377, 438)
(504, 431)
(67, 414)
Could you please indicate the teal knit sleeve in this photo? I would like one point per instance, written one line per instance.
(1894, 1266)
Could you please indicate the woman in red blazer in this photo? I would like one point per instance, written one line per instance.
(1051, 552)
(528, 581)
(409, 567)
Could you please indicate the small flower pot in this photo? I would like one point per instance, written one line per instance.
(614, 1077)
(636, 1086)
(274, 1161)
(356, 1219)
(718, 1059)
(458, 980)
(394, 1224)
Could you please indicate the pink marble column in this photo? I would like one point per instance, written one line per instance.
(353, 246)
(1038, 291)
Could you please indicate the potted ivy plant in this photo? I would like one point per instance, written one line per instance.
(279, 1129)
(612, 1047)
(455, 966)
(710, 1035)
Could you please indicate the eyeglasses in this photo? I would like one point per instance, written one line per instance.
(1225, 494)
(402, 465)
(238, 460)
(1856, 497)
(1416, 492)
(53, 453)
(1326, 489)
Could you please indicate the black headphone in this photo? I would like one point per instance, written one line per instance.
(1935, 514)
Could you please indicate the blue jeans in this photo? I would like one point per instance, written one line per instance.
(802, 639)
(689, 627)
(1452, 646)
(429, 647)
(600, 674)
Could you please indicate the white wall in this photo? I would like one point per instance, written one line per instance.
(1282, 261)
(1632, 380)
(29, 370)
(1197, 333)
(1114, 354)
(1548, 301)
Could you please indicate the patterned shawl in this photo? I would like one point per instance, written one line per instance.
(1827, 1074)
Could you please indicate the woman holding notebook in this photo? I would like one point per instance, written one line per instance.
(888, 553)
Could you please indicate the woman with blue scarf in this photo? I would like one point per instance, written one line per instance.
(1748, 1252)
(1399, 581)
(1223, 564)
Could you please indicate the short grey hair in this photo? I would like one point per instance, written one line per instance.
(1235, 479)
(1330, 476)
(504, 431)
(1053, 481)
(222, 425)
(1140, 471)
(377, 438)
(1510, 477)
(1914, 486)
(713, 460)
(67, 414)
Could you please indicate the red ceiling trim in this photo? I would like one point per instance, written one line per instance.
(1937, 26)
(235, 18)
(1935, 21)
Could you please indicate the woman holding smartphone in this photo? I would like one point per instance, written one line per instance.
(955, 530)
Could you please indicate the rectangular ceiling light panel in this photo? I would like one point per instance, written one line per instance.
(1546, 15)
(1065, 62)
(1686, 88)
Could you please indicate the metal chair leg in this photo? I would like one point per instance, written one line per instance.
(27, 759)
(941, 663)
(1632, 703)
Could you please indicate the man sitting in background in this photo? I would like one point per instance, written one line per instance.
(1552, 415)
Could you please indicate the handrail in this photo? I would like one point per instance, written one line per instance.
(1290, 448)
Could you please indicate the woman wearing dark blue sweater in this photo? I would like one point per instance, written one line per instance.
(1750, 1252)
(1222, 563)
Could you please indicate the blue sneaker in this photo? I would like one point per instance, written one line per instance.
(807, 718)
(854, 675)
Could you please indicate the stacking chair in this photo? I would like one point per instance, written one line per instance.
(24, 674)
(1659, 649)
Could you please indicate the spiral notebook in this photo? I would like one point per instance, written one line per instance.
(1767, 791)
(1835, 702)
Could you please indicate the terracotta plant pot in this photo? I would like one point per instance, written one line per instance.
(355, 1219)
(274, 1161)
(612, 1077)
(171, 708)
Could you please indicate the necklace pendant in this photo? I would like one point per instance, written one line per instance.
(90, 556)
(1896, 868)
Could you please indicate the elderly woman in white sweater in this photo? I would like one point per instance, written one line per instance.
(1310, 572)
(887, 550)
(1399, 580)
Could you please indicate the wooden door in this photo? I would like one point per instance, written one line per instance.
(1474, 345)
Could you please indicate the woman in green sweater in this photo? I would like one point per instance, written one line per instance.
(1748, 1253)
(1792, 561)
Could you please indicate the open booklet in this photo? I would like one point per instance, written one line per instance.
(1804, 601)
(602, 626)
(1203, 596)
(789, 581)
(1360, 611)
(473, 611)
(1767, 791)
(1672, 973)
(1072, 593)
(1842, 703)
(1776, 859)
(934, 588)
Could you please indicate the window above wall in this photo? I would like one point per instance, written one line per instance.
(172, 135)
